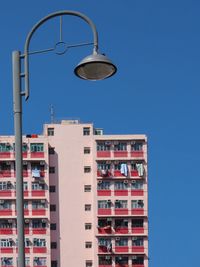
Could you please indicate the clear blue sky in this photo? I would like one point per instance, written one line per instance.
(156, 91)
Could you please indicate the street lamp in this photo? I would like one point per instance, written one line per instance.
(94, 67)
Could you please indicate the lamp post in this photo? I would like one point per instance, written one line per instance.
(94, 67)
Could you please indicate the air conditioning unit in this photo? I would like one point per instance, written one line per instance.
(109, 200)
(125, 181)
(117, 238)
(42, 163)
(100, 182)
(133, 182)
(26, 220)
(117, 200)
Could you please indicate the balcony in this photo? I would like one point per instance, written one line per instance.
(104, 211)
(5, 193)
(121, 211)
(39, 231)
(104, 154)
(120, 154)
(103, 249)
(121, 249)
(104, 192)
(104, 173)
(5, 173)
(39, 250)
(134, 173)
(39, 212)
(137, 192)
(121, 192)
(6, 231)
(5, 212)
(38, 193)
(37, 155)
(137, 249)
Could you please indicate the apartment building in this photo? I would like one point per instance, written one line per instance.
(86, 198)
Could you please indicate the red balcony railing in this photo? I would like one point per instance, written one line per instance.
(105, 230)
(137, 230)
(104, 192)
(6, 231)
(137, 249)
(117, 173)
(137, 154)
(39, 231)
(105, 265)
(138, 211)
(137, 192)
(5, 154)
(122, 192)
(5, 173)
(121, 230)
(6, 250)
(103, 154)
(121, 211)
(104, 211)
(134, 173)
(37, 154)
(39, 212)
(6, 212)
(137, 265)
(121, 249)
(103, 249)
(38, 193)
(5, 193)
(121, 265)
(120, 154)
(39, 250)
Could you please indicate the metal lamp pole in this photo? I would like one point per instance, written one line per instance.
(94, 67)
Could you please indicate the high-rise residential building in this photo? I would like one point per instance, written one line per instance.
(86, 198)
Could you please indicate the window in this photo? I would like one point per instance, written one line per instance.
(104, 241)
(52, 188)
(137, 146)
(87, 188)
(86, 150)
(27, 261)
(105, 260)
(37, 223)
(53, 226)
(136, 185)
(87, 207)
(6, 261)
(5, 204)
(103, 166)
(37, 186)
(137, 204)
(121, 204)
(88, 263)
(121, 185)
(51, 169)
(87, 169)
(121, 260)
(50, 131)
(105, 222)
(138, 241)
(5, 186)
(88, 244)
(120, 146)
(5, 147)
(53, 245)
(86, 131)
(39, 261)
(52, 207)
(137, 223)
(88, 226)
(54, 264)
(103, 146)
(39, 242)
(103, 185)
(104, 204)
(137, 260)
(121, 223)
(6, 243)
(51, 150)
(38, 204)
(37, 147)
(121, 242)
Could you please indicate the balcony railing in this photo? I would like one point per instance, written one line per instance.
(104, 211)
(122, 212)
(6, 231)
(137, 192)
(121, 192)
(104, 154)
(121, 154)
(39, 250)
(104, 192)
(5, 173)
(37, 154)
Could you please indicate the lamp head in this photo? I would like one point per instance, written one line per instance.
(95, 67)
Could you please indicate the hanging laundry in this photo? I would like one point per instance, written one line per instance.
(124, 169)
(140, 169)
(36, 173)
(109, 247)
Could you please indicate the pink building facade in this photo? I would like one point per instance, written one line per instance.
(86, 198)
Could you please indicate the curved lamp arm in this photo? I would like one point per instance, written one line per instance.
(36, 26)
